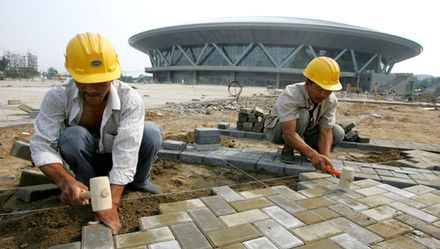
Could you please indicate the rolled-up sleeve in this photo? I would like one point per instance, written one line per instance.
(287, 108)
(48, 126)
(127, 142)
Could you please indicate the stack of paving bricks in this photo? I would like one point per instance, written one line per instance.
(351, 133)
(207, 139)
(317, 215)
(251, 120)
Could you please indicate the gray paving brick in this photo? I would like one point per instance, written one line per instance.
(174, 145)
(257, 193)
(306, 185)
(375, 200)
(381, 213)
(433, 209)
(312, 176)
(419, 189)
(399, 243)
(360, 233)
(190, 157)
(180, 205)
(205, 219)
(172, 244)
(402, 199)
(37, 192)
(347, 241)
(278, 234)
(236, 133)
(295, 169)
(315, 192)
(271, 166)
(243, 163)
(241, 218)
(355, 205)
(288, 193)
(227, 193)
(214, 160)
(30, 177)
(163, 220)
(287, 204)
(368, 171)
(21, 150)
(282, 217)
(74, 245)
(370, 191)
(233, 235)
(366, 183)
(424, 239)
(218, 205)
(96, 236)
(383, 172)
(413, 212)
(395, 190)
(190, 236)
(223, 126)
(207, 140)
(316, 232)
(419, 225)
(362, 176)
(390, 229)
(207, 132)
(169, 154)
(259, 243)
(428, 198)
(359, 218)
(206, 147)
(130, 240)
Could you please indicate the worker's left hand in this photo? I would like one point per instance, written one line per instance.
(319, 161)
(110, 218)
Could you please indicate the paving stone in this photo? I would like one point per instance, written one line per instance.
(390, 229)
(384, 172)
(169, 154)
(433, 209)
(74, 245)
(316, 215)
(359, 218)
(214, 160)
(420, 225)
(368, 170)
(227, 193)
(271, 166)
(305, 185)
(223, 125)
(398, 182)
(206, 147)
(381, 213)
(205, 219)
(375, 200)
(234, 246)
(172, 244)
(233, 235)
(180, 205)
(322, 244)
(21, 150)
(347, 241)
(428, 198)
(259, 243)
(399, 243)
(316, 232)
(313, 203)
(282, 217)
(419, 189)
(277, 234)
(174, 145)
(36, 192)
(431, 183)
(163, 220)
(243, 163)
(129, 240)
(96, 236)
(366, 183)
(355, 230)
(190, 157)
(315, 192)
(218, 205)
(207, 140)
(189, 236)
(395, 190)
(30, 177)
(295, 169)
(207, 132)
(287, 204)
(424, 239)
(241, 218)
(355, 205)
(413, 212)
(257, 193)
(288, 193)
(245, 205)
(312, 176)
(370, 191)
(407, 201)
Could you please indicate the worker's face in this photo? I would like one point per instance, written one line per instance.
(316, 93)
(94, 94)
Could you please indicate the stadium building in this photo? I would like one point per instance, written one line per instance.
(271, 51)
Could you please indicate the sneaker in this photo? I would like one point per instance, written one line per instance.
(146, 188)
(287, 157)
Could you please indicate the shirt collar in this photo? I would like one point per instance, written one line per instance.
(113, 98)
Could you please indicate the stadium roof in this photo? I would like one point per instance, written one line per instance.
(278, 31)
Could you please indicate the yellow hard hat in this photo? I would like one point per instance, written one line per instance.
(324, 71)
(91, 58)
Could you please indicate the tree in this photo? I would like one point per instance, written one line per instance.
(3, 63)
(51, 73)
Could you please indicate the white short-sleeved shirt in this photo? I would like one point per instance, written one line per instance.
(295, 97)
(121, 128)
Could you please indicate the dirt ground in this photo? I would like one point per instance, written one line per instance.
(48, 222)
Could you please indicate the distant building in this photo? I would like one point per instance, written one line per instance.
(262, 51)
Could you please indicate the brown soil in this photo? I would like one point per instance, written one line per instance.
(56, 224)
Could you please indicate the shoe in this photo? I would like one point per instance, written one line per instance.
(287, 157)
(146, 188)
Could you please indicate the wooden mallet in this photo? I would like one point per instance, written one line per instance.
(99, 194)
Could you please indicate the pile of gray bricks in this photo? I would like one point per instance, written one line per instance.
(351, 133)
(251, 119)
(207, 139)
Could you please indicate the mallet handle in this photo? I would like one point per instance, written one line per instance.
(84, 195)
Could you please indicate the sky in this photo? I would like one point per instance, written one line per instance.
(44, 27)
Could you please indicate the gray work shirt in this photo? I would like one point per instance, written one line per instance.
(121, 127)
(295, 97)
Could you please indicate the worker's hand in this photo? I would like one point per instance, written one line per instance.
(110, 218)
(319, 161)
(70, 191)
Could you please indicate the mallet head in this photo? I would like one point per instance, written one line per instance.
(100, 193)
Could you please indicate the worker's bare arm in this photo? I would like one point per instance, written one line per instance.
(69, 186)
(325, 141)
(111, 217)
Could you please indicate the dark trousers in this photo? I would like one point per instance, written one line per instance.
(78, 148)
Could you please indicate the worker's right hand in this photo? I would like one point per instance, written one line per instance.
(319, 161)
(70, 192)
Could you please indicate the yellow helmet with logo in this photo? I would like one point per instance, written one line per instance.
(325, 72)
(91, 58)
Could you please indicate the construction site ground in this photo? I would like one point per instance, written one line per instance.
(48, 222)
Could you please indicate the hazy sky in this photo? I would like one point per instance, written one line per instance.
(44, 27)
